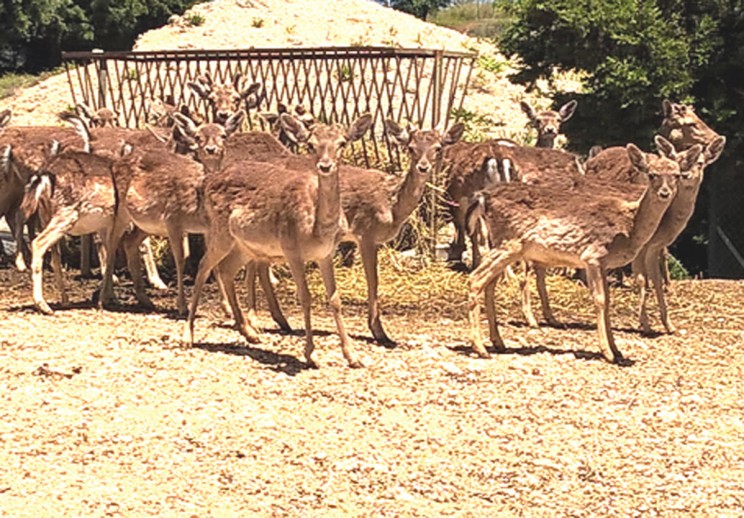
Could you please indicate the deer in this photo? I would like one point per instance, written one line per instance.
(577, 228)
(23, 150)
(161, 194)
(548, 122)
(77, 190)
(224, 99)
(100, 118)
(266, 212)
(376, 205)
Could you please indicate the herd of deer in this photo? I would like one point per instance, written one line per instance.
(257, 201)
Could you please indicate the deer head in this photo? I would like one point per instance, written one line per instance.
(424, 146)
(324, 141)
(665, 169)
(224, 99)
(300, 113)
(548, 122)
(207, 141)
(710, 153)
(100, 118)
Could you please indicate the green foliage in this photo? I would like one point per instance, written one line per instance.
(194, 19)
(33, 32)
(478, 18)
(419, 8)
(677, 270)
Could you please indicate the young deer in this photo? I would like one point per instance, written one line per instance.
(265, 212)
(377, 204)
(650, 259)
(548, 122)
(100, 118)
(162, 194)
(577, 228)
(224, 99)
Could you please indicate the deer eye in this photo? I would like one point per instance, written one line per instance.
(652, 176)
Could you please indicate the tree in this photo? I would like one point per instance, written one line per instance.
(636, 53)
(33, 32)
(419, 8)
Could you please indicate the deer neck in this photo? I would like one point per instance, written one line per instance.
(546, 141)
(328, 207)
(648, 216)
(408, 195)
(698, 133)
(679, 212)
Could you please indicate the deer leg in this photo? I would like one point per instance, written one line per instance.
(175, 238)
(15, 224)
(57, 227)
(640, 273)
(264, 276)
(653, 265)
(151, 268)
(226, 270)
(334, 300)
(59, 274)
(524, 285)
(600, 294)
(131, 243)
(664, 263)
(457, 247)
(492, 266)
(297, 268)
(475, 237)
(368, 249)
(542, 290)
(85, 256)
(251, 270)
(493, 329)
(218, 247)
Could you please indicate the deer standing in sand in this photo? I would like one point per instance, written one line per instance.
(576, 228)
(266, 212)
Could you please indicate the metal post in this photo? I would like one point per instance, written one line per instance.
(436, 107)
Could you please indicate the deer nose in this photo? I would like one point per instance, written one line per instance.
(221, 116)
(211, 150)
(665, 192)
(551, 130)
(423, 167)
(325, 167)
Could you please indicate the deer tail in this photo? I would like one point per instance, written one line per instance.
(39, 189)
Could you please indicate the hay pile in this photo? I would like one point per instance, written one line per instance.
(492, 101)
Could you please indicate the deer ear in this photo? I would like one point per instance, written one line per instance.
(689, 158)
(5, 157)
(236, 81)
(234, 122)
(666, 107)
(714, 149)
(185, 123)
(666, 148)
(181, 135)
(252, 89)
(453, 134)
(294, 129)
(567, 110)
(637, 158)
(359, 127)
(126, 149)
(594, 151)
(270, 118)
(527, 109)
(199, 88)
(400, 136)
(83, 110)
(5, 118)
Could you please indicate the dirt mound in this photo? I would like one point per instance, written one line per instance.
(491, 104)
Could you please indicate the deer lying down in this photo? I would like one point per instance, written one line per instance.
(267, 212)
(577, 228)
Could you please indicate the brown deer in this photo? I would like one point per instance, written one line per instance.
(265, 212)
(23, 150)
(79, 191)
(162, 194)
(548, 122)
(576, 228)
(377, 204)
(224, 99)
(100, 118)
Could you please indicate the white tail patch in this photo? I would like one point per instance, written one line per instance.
(5, 159)
(475, 212)
(499, 171)
(54, 148)
(507, 169)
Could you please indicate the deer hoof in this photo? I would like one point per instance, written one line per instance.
(44, 308)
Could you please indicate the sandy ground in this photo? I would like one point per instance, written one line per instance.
(104, 412)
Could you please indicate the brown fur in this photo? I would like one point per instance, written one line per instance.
(548, 122)
(683, 128)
